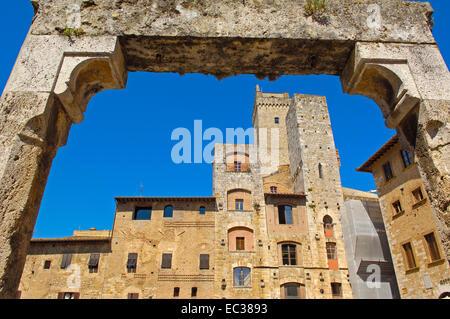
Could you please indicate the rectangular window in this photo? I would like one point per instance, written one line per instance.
(387, 171)
(240, 243)
(291, 291)
(204, 261)
(47, 264)
(397, 207)
(288, 254)
(132, 262)
(273, 189)
(284, 214)
(410, 261)
(241, 276)
(68, 295)
(331, 251)
(406, 157)
(336, 289)
(176, 291)
(277, 120)
(143, 213)
(433, 247)
(133, 295)
(93, 262)
(237, 166)
(194, 292)
(66, 259)
(166, 261)
(417, 193)
(239, 204)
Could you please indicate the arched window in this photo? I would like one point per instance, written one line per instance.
(202, 210)
(241, 277)
(328, 226)
(168, 211)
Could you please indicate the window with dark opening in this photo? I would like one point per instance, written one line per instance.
(336, 289)
(237, 166)
(284, 214)
(47, 264)
(166, 262)
(132, 262)
(291, 291)
(417, 193)
(204, 261)
(66, 259)
(143, 213)
(202, 210)
(410, 260)
(273, 189)
(176, 291)
(433, 247)
(93, 262)
(406, 157)
(277, 120)
(288, 253)
(194, 292)
(168, 211)
(387, 171)
(397, 207)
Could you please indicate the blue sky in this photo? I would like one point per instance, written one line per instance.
(124, 140)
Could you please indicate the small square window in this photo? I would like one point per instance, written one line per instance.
(277, 120)
(47, 264)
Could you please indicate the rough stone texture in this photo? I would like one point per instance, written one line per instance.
(411, 84)
(411, 225)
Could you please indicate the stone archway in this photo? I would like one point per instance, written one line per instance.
(383, 49)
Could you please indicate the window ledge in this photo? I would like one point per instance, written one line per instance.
(240, 211)
(420, 203)
(390, 181)
(408, 167)
(412, 270)
(243, 287)
(395, 216)
(436, 262)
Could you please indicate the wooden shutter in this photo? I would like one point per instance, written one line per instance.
(166, 261)
(132, 260)
(204, 261)
(93, 260)
(67, 258)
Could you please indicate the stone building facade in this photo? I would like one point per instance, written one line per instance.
(421, 266)
(269, 230)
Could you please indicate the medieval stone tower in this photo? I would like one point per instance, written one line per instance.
(271, 229)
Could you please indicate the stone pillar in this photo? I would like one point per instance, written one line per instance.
(49, 88)
(411, 84)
